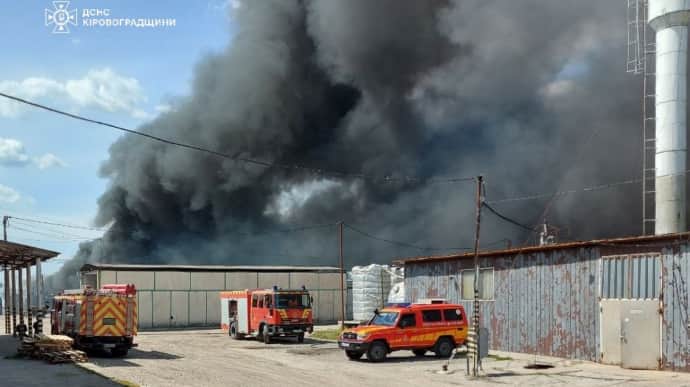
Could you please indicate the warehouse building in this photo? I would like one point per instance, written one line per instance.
(619, 301)
(178, 296)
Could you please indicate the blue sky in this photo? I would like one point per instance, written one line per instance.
(49, 164)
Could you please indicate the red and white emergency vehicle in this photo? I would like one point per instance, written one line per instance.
(265, 313)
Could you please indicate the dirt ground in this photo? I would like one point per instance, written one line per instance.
(211, 358)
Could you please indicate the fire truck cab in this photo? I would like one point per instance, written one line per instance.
(103, 319)
(266, 313)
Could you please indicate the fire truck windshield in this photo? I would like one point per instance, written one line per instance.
(294, 300)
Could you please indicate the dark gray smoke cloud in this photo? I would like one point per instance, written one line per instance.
(533, 94)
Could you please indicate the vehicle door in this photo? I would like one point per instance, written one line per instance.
(433, 326)
(405, 331)
(457, 323)
(255, 317)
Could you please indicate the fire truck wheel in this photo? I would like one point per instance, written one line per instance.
(119, 352)
(377, 352)
(353, 355)
(233, 331)
(444, 347)
(266, 336)
(300, 338)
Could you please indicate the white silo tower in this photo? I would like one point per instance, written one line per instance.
(669, 18)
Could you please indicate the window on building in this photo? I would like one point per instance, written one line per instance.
(486, 284)
(635, 276)
(452, 314)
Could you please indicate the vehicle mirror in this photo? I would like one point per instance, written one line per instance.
(376, 311)
(311, 299)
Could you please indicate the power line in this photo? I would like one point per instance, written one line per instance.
(568, 192)
(73, 239)
(399, 243)
(288, 230)
(59, 224)
(507, 219)
(385, 179)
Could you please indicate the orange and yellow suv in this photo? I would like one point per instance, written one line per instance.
(436, 327)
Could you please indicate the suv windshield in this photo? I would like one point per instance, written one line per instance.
(296, 300)
(385, 318)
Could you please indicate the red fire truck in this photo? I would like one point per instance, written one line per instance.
(265, 313)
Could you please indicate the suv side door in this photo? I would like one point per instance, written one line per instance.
(405, 329)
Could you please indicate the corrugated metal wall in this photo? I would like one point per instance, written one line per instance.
(171, 299)
(544, 303)
(548, 302)
(676, 278)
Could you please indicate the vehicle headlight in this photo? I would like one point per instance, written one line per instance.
(362, 336)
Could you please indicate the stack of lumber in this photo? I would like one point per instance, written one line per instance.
(51, 348)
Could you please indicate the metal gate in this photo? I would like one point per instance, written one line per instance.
(630, 311)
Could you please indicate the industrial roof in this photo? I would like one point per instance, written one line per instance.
(206, 268)
(626, 241)
(16, 255)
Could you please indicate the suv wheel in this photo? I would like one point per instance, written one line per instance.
(377, 352)
(353, 355)
(444, 347)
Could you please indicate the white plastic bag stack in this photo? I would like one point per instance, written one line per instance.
(370, 287)
(397, 292)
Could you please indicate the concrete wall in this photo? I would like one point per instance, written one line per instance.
(169, 299)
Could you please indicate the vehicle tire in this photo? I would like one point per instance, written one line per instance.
(266, 336)
(377, 352)
(233, 331)
(300, 338)
(419, 352)
(444, 347)
(353, 355)
(119, 352)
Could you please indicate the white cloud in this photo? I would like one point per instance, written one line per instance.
(12, 153)
(49, 160)
(99, 88)
(163, 108)
(8, 195)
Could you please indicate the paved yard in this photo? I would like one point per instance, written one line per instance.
(210, 358)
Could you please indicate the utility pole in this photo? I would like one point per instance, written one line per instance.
(475, 319)
(4, 226)
(341, 225)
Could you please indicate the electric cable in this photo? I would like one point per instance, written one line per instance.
(266, 164)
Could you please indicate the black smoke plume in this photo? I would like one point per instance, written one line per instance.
(532, 94)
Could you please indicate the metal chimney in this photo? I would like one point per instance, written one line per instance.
(669, 18)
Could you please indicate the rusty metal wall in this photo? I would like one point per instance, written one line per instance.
(676, 279)
(544, 302)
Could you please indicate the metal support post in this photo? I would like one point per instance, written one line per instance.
(20, 283)
(28, 299)
(39, 284)
(342, 276)
(8, 323)
(13, 280)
